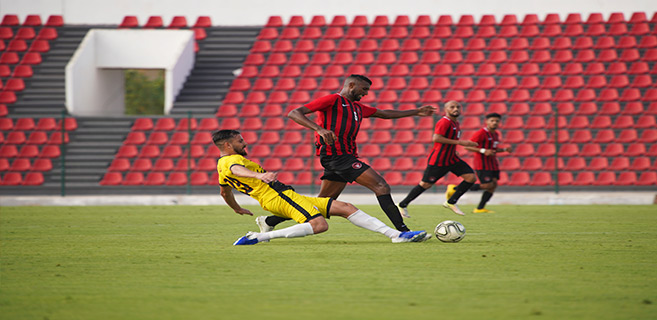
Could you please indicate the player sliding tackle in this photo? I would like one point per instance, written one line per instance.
(237, 172)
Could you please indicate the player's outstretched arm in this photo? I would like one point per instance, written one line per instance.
(441, 139)
(227, 194)
(486, 152)
(422, 111)
(507, 149)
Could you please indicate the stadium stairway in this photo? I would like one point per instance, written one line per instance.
(219, 56)
(44, 93)
(93, 146)
(91, 149)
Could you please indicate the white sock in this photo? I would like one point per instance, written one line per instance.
(297, 230)
(368, 222)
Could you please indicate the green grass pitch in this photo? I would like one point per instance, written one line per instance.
(178, 262)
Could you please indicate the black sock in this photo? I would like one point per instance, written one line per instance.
(475, 187)
(460, 190)
(414, 193)
(484, 198)
(272, 221)
(391, 210)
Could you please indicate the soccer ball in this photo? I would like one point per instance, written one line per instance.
(450, 231)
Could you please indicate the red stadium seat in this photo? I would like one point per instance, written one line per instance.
(604, 136)
(638, 17)
(648, 42)
(142, 164)
(591, 150)
(581, 136)
(605, 179)
(274, 21)
(17, 45)
(24, 124)
(176, 179)
(163, 164)
(519, 109)
(199, 178)
(133, 179)
(634, 94)
(149, 151)
(158, 138)
(613, 150)
(584, 178)
(519, 179)
(393, 177)
(402, 136)
(381, 137)
(154, 22)
(203, 22)
(381, 164)
(647, 179)
(536, 136)
(648, 136)
(576, 164)
(6, 124)
(620, 163)
(206, 164)
(646, 122)
(531, 164)
(464, 69)
(289, 33)
(125, 151)
(510, 164)
(21, 164)
(42, 165)
(9, 58)
(111, 179)
(129, 22)
(120, 164)
(545, 150)
(541, 179)
(578, 122)
(568, 150)
(37, 138)
(155, 179)
(317, 21)
(10, 20)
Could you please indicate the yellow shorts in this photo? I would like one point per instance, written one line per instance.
(290, 204)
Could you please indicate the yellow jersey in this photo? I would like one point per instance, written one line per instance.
(253, 187)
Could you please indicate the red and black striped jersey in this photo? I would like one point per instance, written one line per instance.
(343, 117)
(487, 140)
(445, 154)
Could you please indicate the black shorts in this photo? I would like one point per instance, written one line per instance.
(433, 173)
(342, 168)
(486, 176)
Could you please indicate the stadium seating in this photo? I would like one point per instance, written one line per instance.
(596, 73)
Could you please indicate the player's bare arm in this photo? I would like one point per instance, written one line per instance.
(441, 139)
(487, 152)
(507, 149)
(299, 116)
(227, 193)
(423, 111)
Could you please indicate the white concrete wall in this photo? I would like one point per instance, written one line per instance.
(94, 76)
(256, 12)
(90, 90)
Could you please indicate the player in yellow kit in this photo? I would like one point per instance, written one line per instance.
(237, 172)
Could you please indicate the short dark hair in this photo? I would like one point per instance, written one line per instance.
(220, 136)
(493, 115)
(361, 77)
